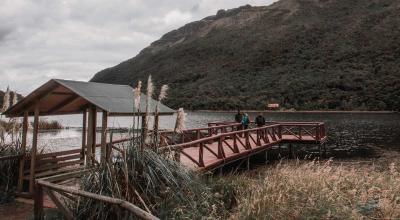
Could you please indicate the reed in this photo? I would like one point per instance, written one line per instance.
(322, 191)
(49, 125)
(10, 146)
(145, 123)
(149, 179)
(162, 96)
(8, 171)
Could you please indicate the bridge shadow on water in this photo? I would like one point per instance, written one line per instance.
(296, 151)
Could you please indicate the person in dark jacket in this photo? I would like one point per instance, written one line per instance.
(238, 119)
(260, 120)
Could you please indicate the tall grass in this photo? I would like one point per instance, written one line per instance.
(8, 171)
(156, 184)
(48, 125)
(323, 191)
(147, 178)
(9, 146)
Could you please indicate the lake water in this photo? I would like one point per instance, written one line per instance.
(347, 132)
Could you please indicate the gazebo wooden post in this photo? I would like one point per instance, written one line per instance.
(84, 122)
(94, 129)
(23, 152)
(34, 148)
(91, 136)
(104, 137)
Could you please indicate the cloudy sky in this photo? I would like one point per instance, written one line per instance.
(74, 39)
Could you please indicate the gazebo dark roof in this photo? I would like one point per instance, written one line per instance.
(57, 97)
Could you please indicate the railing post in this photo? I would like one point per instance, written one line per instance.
(246, 134)
(38, 202)
(235, 146)
(220, 148)
(198, 137)
(300, 132)
(317, 132)
(201, 150)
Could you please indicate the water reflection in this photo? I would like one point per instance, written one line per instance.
(347, 132)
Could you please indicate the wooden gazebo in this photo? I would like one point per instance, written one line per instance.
(61, 97)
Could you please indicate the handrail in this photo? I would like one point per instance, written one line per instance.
(276, 124)
(182, 145)
(205, 128)
(115, 201)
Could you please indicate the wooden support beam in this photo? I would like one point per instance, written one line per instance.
(63, 103)
(84, 132)
(94, 127)
(89, 139)
(23, 152)
(34, 148)
(104, 126)
(38, 203)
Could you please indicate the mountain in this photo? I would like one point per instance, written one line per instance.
(303, 54)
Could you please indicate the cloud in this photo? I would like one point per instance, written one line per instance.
(74, 39)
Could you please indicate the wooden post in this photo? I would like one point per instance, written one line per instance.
(201, 150)
(109, 147)
(89, 139)
(34, 148)
(38, 203)
(84, 132)
(94, 112)
(23, 151)
(104, 137)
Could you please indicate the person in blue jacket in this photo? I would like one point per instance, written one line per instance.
(245, 121)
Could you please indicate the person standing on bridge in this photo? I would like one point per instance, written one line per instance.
(260, 120)
(245, 121)
(238, 119)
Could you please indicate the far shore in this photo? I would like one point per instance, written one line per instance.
(315, 111)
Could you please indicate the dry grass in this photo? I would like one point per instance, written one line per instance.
(322, 191)
(49, 125)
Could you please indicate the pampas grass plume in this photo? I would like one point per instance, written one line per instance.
(180, 121)
(137, 94)
(163, 93)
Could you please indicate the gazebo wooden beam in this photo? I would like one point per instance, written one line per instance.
(104, 125)
(84, 132)
(67, 101)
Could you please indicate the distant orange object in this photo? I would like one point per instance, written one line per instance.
(273, 106)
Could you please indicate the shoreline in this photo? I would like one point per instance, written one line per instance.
(316, 111)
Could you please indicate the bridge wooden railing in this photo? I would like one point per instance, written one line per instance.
(241, 139)
(300, 130)
(72, 193)
(309, 132)
(170, 137)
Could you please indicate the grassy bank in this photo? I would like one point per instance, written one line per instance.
(320, 191)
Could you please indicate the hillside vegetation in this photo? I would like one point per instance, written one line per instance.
(303, 54)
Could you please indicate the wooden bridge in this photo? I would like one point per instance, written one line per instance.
(221, 143)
